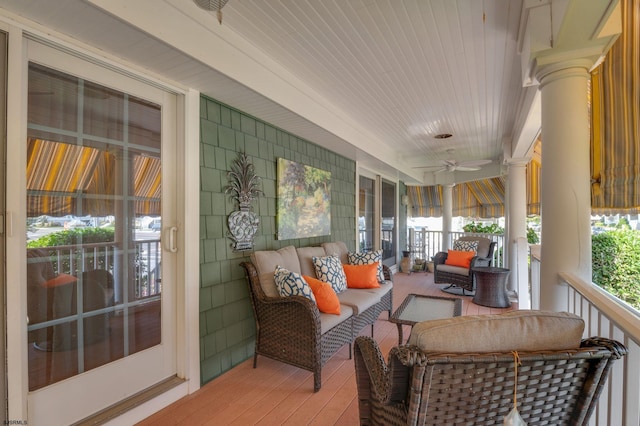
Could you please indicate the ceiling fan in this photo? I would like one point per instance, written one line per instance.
(452, 165)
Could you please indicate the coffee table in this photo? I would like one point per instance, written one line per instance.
(417, 308)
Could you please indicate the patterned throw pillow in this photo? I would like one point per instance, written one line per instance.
(329, 269)
(462, 245)
(366, 258)
(291, 284)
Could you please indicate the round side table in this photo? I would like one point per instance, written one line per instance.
(491, 287)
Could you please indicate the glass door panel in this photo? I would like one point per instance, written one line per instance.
(366, 214)
(93, 190)
(388, 210)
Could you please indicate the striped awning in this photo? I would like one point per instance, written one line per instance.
(479, 199)
(615, 129)
(483, 198)
(81, 180)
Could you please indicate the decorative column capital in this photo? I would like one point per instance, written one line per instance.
(555, 32)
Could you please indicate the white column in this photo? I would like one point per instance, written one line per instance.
(565, 190)
(517, 230)
(447, 215)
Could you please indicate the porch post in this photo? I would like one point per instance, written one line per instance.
(447, 215)
(517, 228)
(565, 190)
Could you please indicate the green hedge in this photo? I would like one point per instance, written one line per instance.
(74, 236)
(616, 264)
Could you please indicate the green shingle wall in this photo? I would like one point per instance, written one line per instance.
(227, 327)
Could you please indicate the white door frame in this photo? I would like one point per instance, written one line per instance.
(187, 220)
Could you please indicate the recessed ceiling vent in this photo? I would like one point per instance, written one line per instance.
(443, 136)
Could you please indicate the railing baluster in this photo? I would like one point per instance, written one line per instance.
(92, 255)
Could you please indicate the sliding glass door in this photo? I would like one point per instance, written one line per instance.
(100, 275)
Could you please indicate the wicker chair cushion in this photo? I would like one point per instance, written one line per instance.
(338, 249)
(453, 269)
(366, 258)
(513, 331)
(483, 244)
(305, 256)
(291, 283)
(266, 261)
(329, 269)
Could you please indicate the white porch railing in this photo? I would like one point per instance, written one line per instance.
(74, 260)
(424, 244)
(605, 316)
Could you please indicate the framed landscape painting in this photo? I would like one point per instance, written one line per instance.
(304, 200)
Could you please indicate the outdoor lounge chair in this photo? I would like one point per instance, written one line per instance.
(559, 378)
(459, 276)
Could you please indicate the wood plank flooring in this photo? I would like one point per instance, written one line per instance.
(278, 394)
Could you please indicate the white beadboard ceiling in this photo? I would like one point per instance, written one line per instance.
(374, 80)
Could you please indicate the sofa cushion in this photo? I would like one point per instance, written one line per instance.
(359, 300)
(305, 257)
(384, 288)
(366, 258)
(361, 276)
(328, 321)
(338, 249)
(513, 331)
(266, 261)
(291, 283)
(459, 258)
(326, 299)
(329, 269)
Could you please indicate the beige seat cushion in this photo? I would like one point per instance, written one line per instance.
(338, 249)
(513, 331)
(358, 299)
(266, 261)
(453, 269)
(305, 255)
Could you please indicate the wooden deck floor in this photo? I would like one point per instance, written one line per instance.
(278, 394)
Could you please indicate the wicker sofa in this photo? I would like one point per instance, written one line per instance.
(461, 371)
(292, 329)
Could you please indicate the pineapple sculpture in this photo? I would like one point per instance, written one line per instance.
(244, 187)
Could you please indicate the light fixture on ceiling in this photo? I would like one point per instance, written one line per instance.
(443, 136)
(211, 5)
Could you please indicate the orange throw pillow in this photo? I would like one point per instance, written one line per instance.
(459, 258)
(326, 298)
(362, 276)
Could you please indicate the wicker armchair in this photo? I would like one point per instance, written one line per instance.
(555, 387)
(463, 277)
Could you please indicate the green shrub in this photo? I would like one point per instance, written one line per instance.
(479, 228)
(73, 236)
(616, 264)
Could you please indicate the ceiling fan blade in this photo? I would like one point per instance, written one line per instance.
(467, 169)
(442, 169)
(474, 163)
(426, 167)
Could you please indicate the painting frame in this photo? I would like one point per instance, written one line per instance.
(304, 200)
